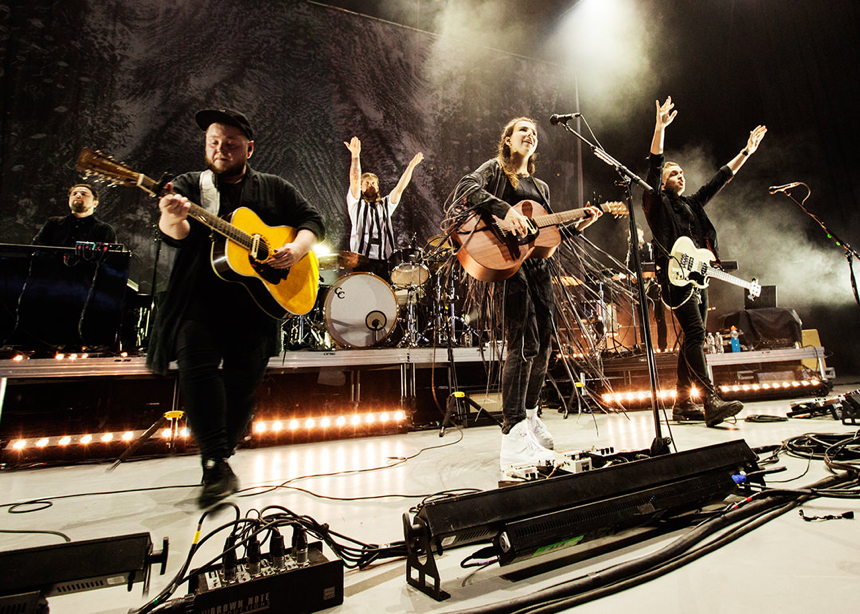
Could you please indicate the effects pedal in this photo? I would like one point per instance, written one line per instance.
(298, 583)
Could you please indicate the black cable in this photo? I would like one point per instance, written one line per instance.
(46, 502)
(245, 492)
(620, 576)
(36, 532)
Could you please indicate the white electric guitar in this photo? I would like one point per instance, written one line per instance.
(690, 265)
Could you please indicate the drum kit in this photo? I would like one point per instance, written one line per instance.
(359, 309)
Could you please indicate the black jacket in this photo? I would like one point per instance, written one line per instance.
(277, 202)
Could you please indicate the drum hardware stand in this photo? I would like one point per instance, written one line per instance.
(444, 324)
(412, 336)
(299, 328)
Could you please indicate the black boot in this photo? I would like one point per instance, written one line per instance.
(687, 410)
(219, 482)
(717, 410)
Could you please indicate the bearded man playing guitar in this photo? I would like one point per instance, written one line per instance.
(671, 215)
(492, 190)
(203, 319)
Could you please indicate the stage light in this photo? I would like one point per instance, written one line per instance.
(525, 521)
(259, 427)
(341, 421)
(85, 439)
(355, 420)
(19, 445)
(64, 441)
(60, 356)
(73, 356)
(165, 433)
(310, 423)
(127, 436)
(325, 423)
(384, 417)
(42, 442)
(107, 437)
(185, 432)
(18, 357)
(369, 418)
(277, 426)
(294, 424)
(85, 355)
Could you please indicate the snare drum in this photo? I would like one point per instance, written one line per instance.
(407, 267)
(360, 310)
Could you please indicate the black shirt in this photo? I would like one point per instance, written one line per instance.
(65, 231)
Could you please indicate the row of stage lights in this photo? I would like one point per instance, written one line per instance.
(87, 439)
(638, 396)
(18, 357)
(260, 428)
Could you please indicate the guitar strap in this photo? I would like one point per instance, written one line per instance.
(210, 198)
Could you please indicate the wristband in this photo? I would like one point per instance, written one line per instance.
(745, 153)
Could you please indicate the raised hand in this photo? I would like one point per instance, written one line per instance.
(755, 138)
(665, 114)
(354, 146)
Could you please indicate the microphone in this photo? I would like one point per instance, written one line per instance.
(563, 119)
(781, 188)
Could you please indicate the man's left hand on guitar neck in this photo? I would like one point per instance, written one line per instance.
(591, 215)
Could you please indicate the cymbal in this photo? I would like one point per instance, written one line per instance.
(440, 242)
(342, 260)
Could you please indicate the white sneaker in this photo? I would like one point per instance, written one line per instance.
(519, 447)
(539, 430)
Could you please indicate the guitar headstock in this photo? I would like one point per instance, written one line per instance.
(754, 289)
(616, 208)
(95, 163)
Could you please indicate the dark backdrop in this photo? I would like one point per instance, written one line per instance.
(442, 77)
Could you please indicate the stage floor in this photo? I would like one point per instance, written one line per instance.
(787, 565)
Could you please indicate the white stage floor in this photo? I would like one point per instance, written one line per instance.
(788, 565)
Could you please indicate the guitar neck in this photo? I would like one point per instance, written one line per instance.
(722, 275)
(553, 219)
(203, 216)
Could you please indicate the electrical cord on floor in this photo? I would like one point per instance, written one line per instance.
(765, 418)
(252, 491)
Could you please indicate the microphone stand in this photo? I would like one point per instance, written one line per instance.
(661, 444)
(850, 252)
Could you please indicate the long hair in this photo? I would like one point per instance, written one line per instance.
(504, 152)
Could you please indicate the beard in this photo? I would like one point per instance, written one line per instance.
(370, 194)
(235, 169)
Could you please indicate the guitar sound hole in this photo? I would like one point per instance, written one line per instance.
(268, 273)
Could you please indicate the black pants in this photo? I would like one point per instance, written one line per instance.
(691, 313)
(528, 340)
(219, 403)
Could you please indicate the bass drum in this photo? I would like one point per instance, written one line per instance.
(360, 310)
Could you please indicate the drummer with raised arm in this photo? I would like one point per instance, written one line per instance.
(372, 235)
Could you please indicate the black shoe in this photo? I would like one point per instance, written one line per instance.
(717, 410)
(219, 482)
(687, 411)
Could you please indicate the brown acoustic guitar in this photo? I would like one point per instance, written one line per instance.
(241, 253)
(490, 252)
